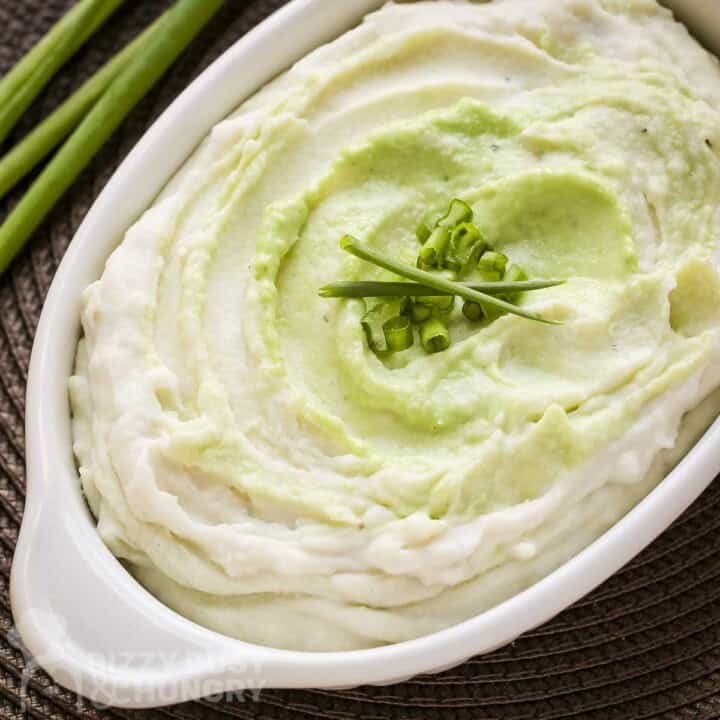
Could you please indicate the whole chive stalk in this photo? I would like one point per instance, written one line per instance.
(371, 288)
(181, 25)
(398, 333)
(354, 247)
(25, 81)
(432, 253)
(56, 127)
(24, 68)
(434, 336)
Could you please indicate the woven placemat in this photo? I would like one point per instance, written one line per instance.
(644, 645)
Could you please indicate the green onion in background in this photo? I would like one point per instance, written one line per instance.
(56, 127)
(22, 84)
(180, 26)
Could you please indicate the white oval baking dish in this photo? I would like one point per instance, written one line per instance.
(81, 615)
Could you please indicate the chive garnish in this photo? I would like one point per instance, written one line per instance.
(439, 304)
(373, 326)
(370, 288)
(432, 253)
(434, 336)
(492, 265)
(466, 246)
(450, 242)
(354, 247)
(472, 311)
(398, 333)
(419, 313)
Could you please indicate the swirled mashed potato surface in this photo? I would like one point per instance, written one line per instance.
(262, 471)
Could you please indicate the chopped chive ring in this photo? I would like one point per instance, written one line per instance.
(423, 233)
(466, 246)
(425, 228)
(473, 311)
(432, 253)
(458, 212)
(440, 304)
(398, 333)
(419, 313)
(492, 265)
(373, 326)
(434, 336)
(515, 274)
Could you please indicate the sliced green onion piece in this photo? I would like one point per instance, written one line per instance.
(441, 304)
(458, 212)
(372, 324)
(437, 282)
(434, 336)
(422, 233)
(398, 333)
(492, 264)
(419, 313)
(432, 253)
(425, 228)
(473, 311)
(466, 246)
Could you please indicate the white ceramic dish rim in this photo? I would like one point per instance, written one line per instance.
(79, 613)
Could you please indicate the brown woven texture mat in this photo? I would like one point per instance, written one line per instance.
(644, 645)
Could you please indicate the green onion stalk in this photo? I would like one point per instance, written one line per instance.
(181, 25)
(24, 156)
(377, 289)
(27, 78)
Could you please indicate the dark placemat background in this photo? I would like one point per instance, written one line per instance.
(644, 645)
